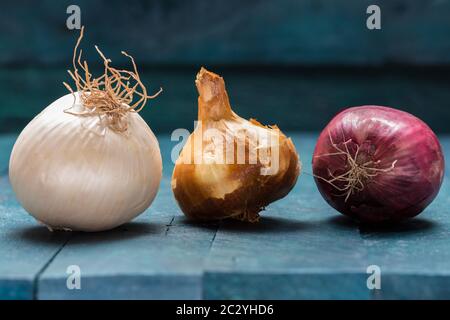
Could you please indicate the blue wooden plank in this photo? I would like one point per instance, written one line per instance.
(157, 256)
(293, 98)
(6, 145)
(233, 32)
(143, 262)
(304, 249)
(445, 143)
(25, 247)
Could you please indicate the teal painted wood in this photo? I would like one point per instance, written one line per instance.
(305, 250)
(158, 256)
(445, 144)
(6, 145)
(294, 99)
(302, 248)
(25, 247)
(151, 258)
(232, 32)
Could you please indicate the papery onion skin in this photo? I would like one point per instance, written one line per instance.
(69, 173)
(218, 191)
(407, 150)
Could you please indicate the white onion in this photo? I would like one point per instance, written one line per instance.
(75, 172)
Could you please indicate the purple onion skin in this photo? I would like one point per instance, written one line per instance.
(386, 135)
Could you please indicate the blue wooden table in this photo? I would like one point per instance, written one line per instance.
(302, 248)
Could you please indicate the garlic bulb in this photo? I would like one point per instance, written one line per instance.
(231, 167)
(88, 161)
(74, 172)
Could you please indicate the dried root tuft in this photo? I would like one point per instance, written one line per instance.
(112, 94)
(357, 176)
(248, 215)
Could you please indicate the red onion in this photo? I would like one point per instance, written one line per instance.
(378, 164)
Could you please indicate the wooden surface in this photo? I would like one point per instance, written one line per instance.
(294, 98)
(296, 61)
(289, 32)
(302, 248)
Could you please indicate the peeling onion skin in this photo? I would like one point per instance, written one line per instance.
(218, 191)
(69, 177)
(396, 139)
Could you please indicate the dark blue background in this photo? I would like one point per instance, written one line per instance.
(290, 62)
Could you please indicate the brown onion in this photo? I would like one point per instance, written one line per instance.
(378, 164)
(208, 189)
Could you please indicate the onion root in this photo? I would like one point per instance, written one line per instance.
(112, 94)
(358, 174)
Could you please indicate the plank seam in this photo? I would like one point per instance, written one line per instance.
(214, 237)
(44, 267)
(169, 225)
(204, 270)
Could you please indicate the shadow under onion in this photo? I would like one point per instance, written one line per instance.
(411, 226)
(129, 230)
